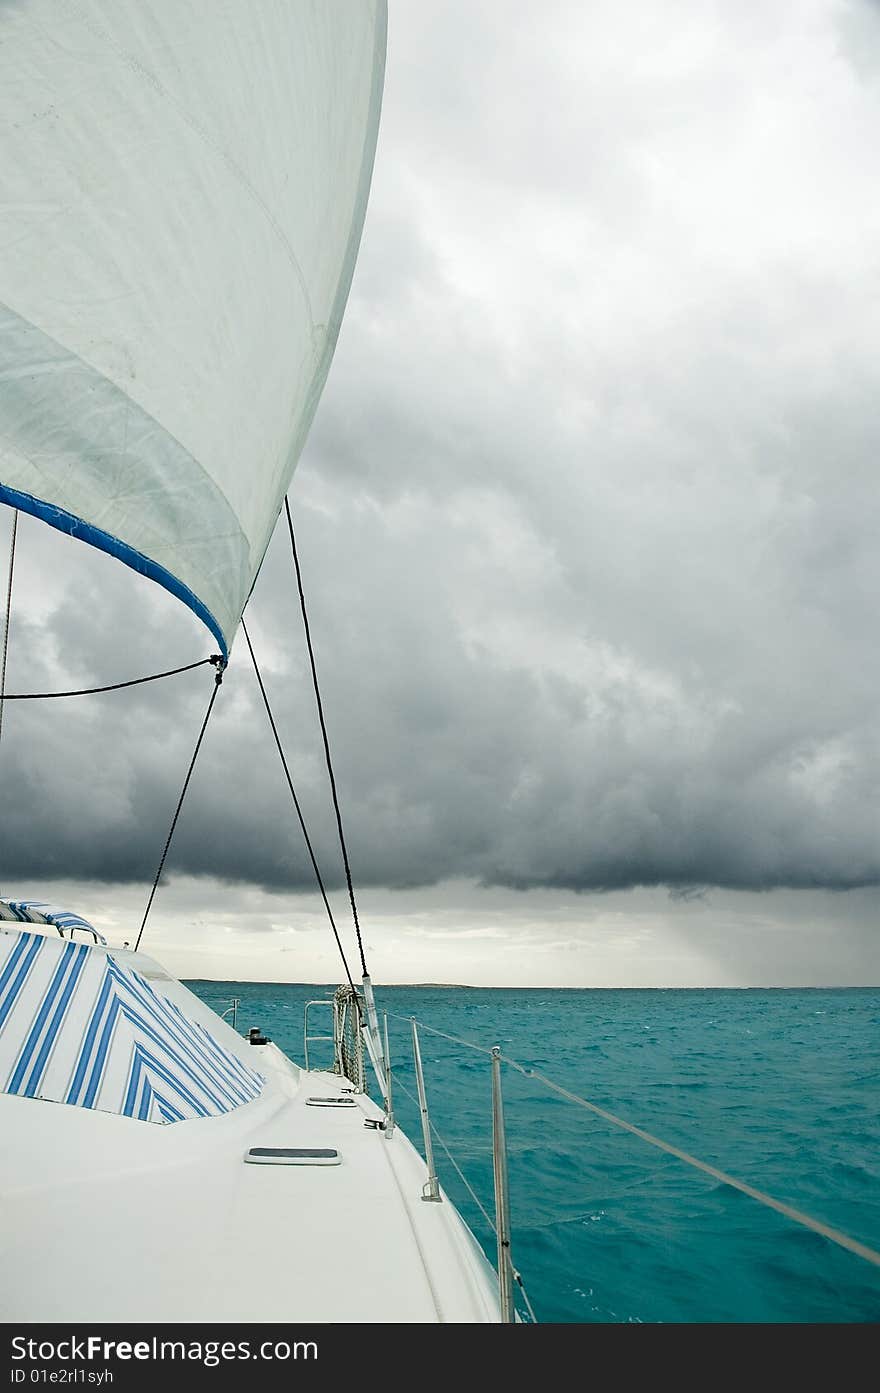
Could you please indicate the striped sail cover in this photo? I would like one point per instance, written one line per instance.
(38, 912)
(77, 1027)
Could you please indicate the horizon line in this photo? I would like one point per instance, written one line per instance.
(560, 987)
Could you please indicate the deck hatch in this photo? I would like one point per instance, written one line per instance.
(293, 1156)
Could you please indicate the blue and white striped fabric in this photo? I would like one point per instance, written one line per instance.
(77, 1027)
(38, 912)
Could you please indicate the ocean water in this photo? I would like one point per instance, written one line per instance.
(779, 1088)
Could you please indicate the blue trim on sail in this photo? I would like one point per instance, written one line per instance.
(104, 541)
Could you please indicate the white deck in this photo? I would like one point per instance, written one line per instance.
(111, 1218)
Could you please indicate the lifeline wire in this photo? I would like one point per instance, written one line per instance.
(3, 696)
(299, 814)
(461, 1175)
(824, 1230)
(192, 764)
(456, 1040)
(842, 1239)
(302, 602)
(517, 1276)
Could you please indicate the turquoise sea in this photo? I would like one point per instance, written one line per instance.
(780, 1088)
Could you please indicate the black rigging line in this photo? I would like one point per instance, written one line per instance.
(215, 659)
(299, 814)
(3, 696)
(217, 680)
(302, 601)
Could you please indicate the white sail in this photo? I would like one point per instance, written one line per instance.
(184, 190)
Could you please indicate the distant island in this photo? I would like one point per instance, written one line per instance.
(459, 986)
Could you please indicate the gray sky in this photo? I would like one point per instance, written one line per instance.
(588, 524)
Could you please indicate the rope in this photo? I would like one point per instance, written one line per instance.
(456, 1040)
(302, 602)
(347, 1036)
(299, 813)
(192, 764)
(114, 687)
(3, 697)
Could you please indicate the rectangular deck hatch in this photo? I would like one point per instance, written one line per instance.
(293, 1156)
